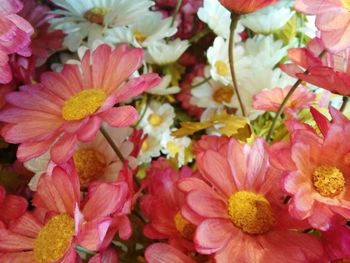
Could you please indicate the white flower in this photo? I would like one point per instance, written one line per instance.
(150, 148)
(175, 147)
(90, 18)
(255, 60)
(94, 161)
(163, 53)
(218, 18)
(270, 18)
(157, 119)
(211, 94)
(163, 87)
(143, 33)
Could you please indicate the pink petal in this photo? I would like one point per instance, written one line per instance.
(164, 253)
(12, 208)
(63, 149)
(88, 131)
(213, 234)
(10, 242)
(107, 256)
(123, 116)
(30, 150)
(19, 257)
(27, 225)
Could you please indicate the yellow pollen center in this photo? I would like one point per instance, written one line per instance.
(96, 15)
(90, 165)
(139, 37)
(328, 180)
(173, 148)
(223, 94)
(250, 212)
(155, 119)
(145, 146)
(221, 68)
(54, 239)
(83, 104)
(183, 226)
(346, 4)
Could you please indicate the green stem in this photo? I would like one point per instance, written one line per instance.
(112, 144)
(345, 102)
(177, 8)
(231, 47)
(285, 100)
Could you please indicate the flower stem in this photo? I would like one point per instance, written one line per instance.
(177, 8)
(112, 144)
(345, 102)
(231, 46)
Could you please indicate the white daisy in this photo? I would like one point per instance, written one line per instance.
(176, 148)
(81, 19)
(94, 161)
(157, 119)
(150, 149)
(163, 53)
(269, 19)
(143, 33)
(164, 88)
(218, 18)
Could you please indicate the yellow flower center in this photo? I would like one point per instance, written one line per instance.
(54, 239)
(139, 37)
(145, 146)
(155, 119)
(221, 68)
(90, 165)
(223, 94)
(250, 212)
(83, 104)
(173, 148)
(183, 226)
(346, 4)
(96, 15)
(328, 180)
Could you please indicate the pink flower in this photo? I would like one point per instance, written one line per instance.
(271, 100)
(245, 219)
(11, 206)
(164, 253)
(245, 6)
(331, 72)
(15, 35)
(162, 206)
(43, 40)
(336, 240)
(317, 183)
(70, 106)
(332, 19)
(62, 220)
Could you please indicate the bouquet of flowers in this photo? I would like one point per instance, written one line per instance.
(174, 131)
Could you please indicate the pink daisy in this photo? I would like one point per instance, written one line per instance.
(332, 19)
(15, 35)
(331, 72)
(162, 206)
(270, 100)
(245, 219)
(318, 183)
(61, 220)
(70, 106)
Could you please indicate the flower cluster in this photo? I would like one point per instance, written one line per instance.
(174, 131)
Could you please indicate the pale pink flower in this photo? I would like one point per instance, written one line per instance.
(245, 218)
(332, 19)
(15, 35)
(271, 100)
(70, 106)
(61, 220)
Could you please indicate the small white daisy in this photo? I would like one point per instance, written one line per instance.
(174, 147)
(81, 19)
(157, 119)
(150, 149)
(164, 88)
(269, 19)
(143, 33)
(163, 53)
(94, 161)
(218, 18)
